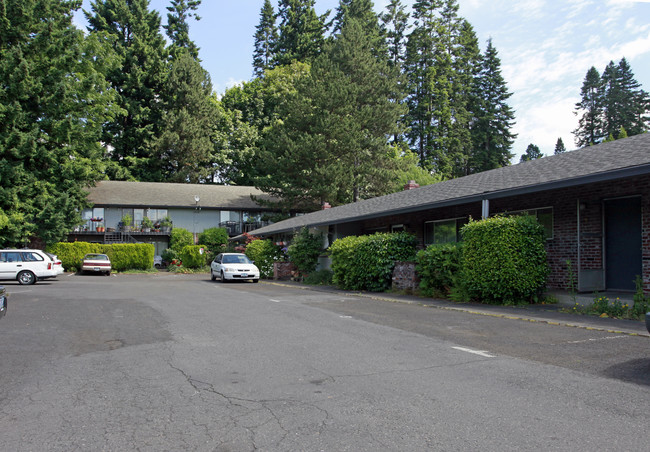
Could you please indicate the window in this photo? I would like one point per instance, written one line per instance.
(543, 215)
(397, 228)
(443, 231)
(156, 214)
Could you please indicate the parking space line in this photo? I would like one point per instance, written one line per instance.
(475, 352)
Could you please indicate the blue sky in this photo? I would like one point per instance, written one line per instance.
(545, 46)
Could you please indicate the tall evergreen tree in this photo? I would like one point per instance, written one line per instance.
(590, 125)
(53, 101)
(418, 66)
(559, 147)
(625, 104)
(301, 32)
(610, 103)
(134, 31)
(177, 27)
(185, 145)
(361, 10)
(266, 35)
(492, 138)
(532, 153)
(441, 55)
(395, 24)
(331, 145)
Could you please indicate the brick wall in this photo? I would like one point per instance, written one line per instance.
(583, 202)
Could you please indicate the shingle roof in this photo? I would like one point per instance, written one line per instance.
(164, 195)
(607, 161)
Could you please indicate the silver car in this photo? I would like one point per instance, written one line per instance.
(233, 267)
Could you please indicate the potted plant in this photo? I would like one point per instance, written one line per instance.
(146, 224)
(127, 221)
(166, 224)
(100, 227)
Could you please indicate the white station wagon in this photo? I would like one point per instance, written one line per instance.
(26, 266)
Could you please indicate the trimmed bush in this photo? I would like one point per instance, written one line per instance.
(438, 267)
(367, 262)
(130, 256)
(71, 253)
(180, 238)
(123, 256)
(504, 259)
(263, 253)
(214, 239)
(191, 256)
(304, 250)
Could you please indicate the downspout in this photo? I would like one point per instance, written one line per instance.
(485, 208)
(578, 264)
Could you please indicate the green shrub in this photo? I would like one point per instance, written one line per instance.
(130, 256)
(438, 267)
(504, 259)
(263, 253)
(304, 250)
(169, 255)
(123, 256)
(180, 238)
(71, 253)
(319, 278)
(193, 256)
(367, 262)
(214, 239)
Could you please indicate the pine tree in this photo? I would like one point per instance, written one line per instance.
(394, 27)
(301, 32)
(492, 138)
(266, 35)
(331, 143)
(611, 102)
(185, 146)
(590, 125)
(636, 103)
(134, 31)
(418, 66)
(441, 60)
(53, 99)
(177, 27)
(532, 153)
(559, 147)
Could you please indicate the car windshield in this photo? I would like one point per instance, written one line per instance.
(96, 257)
(236, 259)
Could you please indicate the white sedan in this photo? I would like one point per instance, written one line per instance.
(233, 266)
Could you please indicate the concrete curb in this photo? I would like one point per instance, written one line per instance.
(527, 314)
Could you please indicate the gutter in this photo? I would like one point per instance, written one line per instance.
(553, 185)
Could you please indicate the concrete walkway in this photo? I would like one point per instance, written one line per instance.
(545, 313)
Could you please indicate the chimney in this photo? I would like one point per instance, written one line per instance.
(326, 205)
(411, 185)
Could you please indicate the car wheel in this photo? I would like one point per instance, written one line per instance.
(108, 273)
(223, 278)
(256, 280)
(26, 278)
(212, 276)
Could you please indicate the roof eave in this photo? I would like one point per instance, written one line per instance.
(564, 183)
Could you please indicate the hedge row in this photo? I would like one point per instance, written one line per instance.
(367, 262)
(123, 256)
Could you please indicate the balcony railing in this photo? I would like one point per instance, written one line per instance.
(239, 227)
